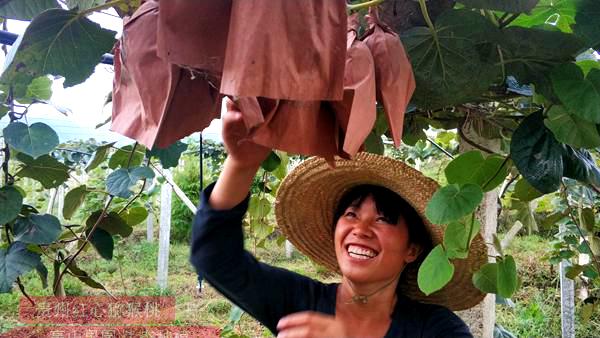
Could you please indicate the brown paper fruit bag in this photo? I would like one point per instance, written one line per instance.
(393, 72)
(289, 50)
(155, 102)
(356, 113)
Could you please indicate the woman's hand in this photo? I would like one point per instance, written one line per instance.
(242, 162)
(310, 324)
(242, 152)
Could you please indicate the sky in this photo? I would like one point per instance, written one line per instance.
(85, 101)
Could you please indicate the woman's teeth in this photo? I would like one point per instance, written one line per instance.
(360, 252)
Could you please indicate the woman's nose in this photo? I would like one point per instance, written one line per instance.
(362, 228)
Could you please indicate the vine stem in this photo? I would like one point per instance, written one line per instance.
(434, 34)
(574, 219)
(85, 242)
(91, 232)
(19, 283)
(366, 4)
(504, 23)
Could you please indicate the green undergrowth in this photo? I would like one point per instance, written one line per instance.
(536, 312)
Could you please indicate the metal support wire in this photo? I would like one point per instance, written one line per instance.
(8, 38)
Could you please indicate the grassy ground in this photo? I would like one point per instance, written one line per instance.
(536, 313)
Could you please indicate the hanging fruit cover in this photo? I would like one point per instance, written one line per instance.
(356, 113)
(284, 49)
(194, 33)
(393, 72)
(299, 127)
(155, 102)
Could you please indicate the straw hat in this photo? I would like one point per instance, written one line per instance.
(308, 196)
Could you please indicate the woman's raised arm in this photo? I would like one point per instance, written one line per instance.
(242, 163)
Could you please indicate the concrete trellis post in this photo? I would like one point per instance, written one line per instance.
(481, 318)
(567, 298)
(166, 193)
(150, 226)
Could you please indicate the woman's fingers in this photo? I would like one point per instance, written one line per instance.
(309, 324)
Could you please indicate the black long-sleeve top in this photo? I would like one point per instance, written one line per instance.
(269, 293)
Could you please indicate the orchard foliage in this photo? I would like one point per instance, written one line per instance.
(523, 72)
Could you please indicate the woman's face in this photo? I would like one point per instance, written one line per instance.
(368, 247)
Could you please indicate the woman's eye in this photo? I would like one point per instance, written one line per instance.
(350, 214)
(383, 220)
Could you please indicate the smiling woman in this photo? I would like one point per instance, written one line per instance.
(379, 235)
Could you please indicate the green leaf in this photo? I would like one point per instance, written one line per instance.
(10, 204)
(435, 271)
(374, 144)
(587, 65)
(560, 13)
(35, 140)
(121, 157)
(259, 207)
(40, 88)
(530, 53)
(573, 271)
(507, 277)
(580, 95)
(100, 155)
(471, 167)
(112, 223)
(43, 273)
(587, 219)
(169, 157)
(282, 169)
(455, 238)
(452, 202)
(82, 5)
(37, 229)
(579, 165)
(572, 130)
(413, 129)
(134, 216)
(84, 276)
(45, 169)
(587, 310)
(524, 214)
(14, 262)
(73, 200)
(25, 9)
(46, 47)
(119, 182)
(486, 279)
(509, 6)
(271, 162)
(525, 192)
(103, 242)
(447, 65)
(537, 154)
(551, 220)
(586, 22)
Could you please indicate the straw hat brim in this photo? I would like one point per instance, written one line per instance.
(309, 194)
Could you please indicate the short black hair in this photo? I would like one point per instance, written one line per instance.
(391, 206)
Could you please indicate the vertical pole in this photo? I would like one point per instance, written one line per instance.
(289, 249)
(567, 298)
(61, 202)
(166, 193)
(150, 225)
(482, 317)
